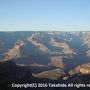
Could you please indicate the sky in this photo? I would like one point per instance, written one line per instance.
(45, 15)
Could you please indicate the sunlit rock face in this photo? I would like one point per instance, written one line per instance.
(81, 69)
(66, 49)
(14, 52)
(50, 74)
(41, 47)
(85, 70)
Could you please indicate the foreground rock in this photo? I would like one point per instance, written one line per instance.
(83, 69)
(9, 70)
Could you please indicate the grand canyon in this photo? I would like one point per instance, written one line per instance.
(47, 56)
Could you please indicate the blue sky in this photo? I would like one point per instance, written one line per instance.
(63, 15)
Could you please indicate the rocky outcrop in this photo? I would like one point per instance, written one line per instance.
(66, 48)
(50, 74)
(83, 69)
(42, 47)
(58, 44)
(14, 52)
